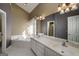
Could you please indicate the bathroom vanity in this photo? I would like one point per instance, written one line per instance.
(52, 46)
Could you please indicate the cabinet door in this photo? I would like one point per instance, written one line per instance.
(73, 28)
(49, 52)
(33, 43)
(70, 37)
(40, 49)
(37, 47)
(77, 29)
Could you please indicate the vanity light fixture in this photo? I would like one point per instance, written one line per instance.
(40, 17)
(66, 7)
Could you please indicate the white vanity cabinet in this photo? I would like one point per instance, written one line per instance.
(49, 52)
(45, 46)
(41, 50)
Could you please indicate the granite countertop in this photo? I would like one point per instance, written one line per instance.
(56, 44)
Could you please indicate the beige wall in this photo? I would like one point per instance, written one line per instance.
(44, 9)
(19, 20)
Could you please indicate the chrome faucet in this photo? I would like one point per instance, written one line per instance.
(64, 43)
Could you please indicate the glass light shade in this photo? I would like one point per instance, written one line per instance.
(43, 18)
(67, 10)
(63, 5)
(37, 18)
(74, 7)
(59, 8)
(62, 12)
(40, 17)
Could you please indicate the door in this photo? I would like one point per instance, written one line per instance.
(70, 28)
(51, 28)
(0, 33)
(3, 21)
(77, 31)
(73, 28)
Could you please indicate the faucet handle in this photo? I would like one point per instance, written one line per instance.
(66, 40)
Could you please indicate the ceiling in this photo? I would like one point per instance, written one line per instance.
(28, 7)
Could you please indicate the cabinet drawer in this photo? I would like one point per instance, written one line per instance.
(49, 52)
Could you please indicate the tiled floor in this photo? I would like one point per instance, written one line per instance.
(20, 48)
